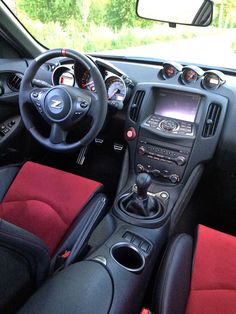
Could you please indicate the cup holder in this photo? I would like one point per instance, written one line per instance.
(127, 256)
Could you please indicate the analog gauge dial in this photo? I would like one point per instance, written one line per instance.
(170, 70)
(67, 78)
(213, 79)
(63, 75)
(189, 76)
(87, 81)
(116, 89)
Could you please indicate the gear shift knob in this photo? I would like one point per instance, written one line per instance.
(143, 181)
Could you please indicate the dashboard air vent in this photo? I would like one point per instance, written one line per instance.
(136, 105)
(14, 81)
(212, 120)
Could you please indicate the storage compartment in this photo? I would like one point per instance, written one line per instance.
(127, 256)
(84, 287)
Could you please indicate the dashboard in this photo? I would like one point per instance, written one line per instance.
(181, 110)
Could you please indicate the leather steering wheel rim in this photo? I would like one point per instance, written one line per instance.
(71, 99)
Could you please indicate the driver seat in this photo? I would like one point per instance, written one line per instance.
(43, 213)
(47, 202)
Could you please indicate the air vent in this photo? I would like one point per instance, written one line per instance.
(14, 81)
(136, 105)
(212, 120)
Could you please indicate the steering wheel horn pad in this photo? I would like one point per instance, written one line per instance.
(57, 104)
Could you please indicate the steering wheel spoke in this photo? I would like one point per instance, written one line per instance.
(94, 107)
(36, 97)
(57, 134)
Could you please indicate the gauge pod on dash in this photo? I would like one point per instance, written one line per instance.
(190, 74)
(116, 88)
(171, 69)
(213, 79)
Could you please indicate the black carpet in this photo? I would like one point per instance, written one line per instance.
(213, 203)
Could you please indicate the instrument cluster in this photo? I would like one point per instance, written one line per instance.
(77, 75)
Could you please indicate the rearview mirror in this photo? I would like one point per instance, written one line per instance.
(187, 12)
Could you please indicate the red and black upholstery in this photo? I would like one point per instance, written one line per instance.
(203, 282)
(42, 213)
(45, 201)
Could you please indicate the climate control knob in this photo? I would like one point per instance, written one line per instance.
(174, 178)
(180, 160)
(142, 150)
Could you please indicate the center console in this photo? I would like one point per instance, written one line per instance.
(170, 124)
(174, 116)
(171, 131)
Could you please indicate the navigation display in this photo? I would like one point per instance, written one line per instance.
(177, 105)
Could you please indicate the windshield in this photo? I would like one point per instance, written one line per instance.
(111, 27)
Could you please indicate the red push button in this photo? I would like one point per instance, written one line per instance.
(130, 134)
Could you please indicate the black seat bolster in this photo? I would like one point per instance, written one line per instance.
(29, 246)
(7, 175)
(24, 264)
(174, 277)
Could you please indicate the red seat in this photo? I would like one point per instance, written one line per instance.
(46, 201)
(212, 286)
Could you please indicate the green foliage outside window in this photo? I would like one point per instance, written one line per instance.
(101, 25)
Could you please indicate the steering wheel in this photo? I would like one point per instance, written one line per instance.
(61, 106)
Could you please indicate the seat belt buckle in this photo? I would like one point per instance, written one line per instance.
(61, 259)
(65, 254)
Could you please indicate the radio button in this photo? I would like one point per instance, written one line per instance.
(153, 124)
(140, 168)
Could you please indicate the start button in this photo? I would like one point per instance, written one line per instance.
(130, 134)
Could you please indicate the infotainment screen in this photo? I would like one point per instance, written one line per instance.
(177, 105)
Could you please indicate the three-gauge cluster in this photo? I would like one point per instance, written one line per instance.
(66, 74)
(211, 79)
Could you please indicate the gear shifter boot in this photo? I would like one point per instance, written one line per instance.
(143, 207)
